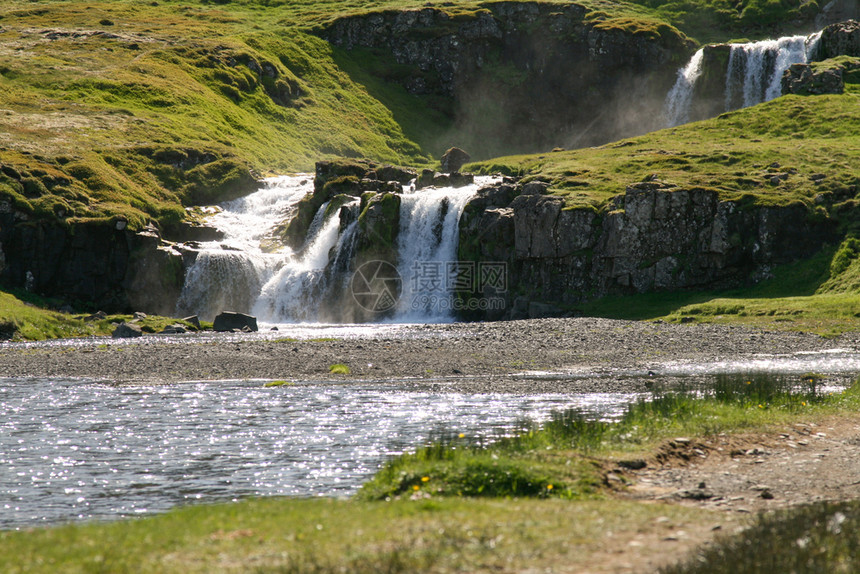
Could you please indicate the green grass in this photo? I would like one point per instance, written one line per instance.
(20, 320)
(326, 536)
(26, 317)
(339, 369)
(731, 154)
(112, 126)
(820, 537)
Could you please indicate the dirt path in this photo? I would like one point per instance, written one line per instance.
(752, 472)
(734, 478)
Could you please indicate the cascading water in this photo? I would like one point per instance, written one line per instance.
(282, 286)
(296, 291)
(754, 74)
(427, 251)
(681, 95)
(228, 274)
(755, 69)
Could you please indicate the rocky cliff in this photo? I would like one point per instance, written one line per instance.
(99, 265)
(524, 76)
(654, 237)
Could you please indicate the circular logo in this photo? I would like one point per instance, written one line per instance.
(376, 286)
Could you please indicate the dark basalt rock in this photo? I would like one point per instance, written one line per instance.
(806, 80)
(127, 331)
(229, 321)
(454, 159)
(654, 237)
(841, 39)
(566, 81)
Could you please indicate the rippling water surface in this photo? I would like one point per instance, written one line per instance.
(74, 450)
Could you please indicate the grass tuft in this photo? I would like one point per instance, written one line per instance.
(810, 539)
(339, 369)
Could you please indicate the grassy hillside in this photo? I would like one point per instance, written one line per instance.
(809, 144)
(113, 108)
(117, 108)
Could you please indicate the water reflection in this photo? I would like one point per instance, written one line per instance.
(77, 450)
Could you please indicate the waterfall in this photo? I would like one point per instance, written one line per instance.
(228, 274)
(755, 69)
(296, 291)
(427, 252)
(245, 273)
(681, 95)
(753, 75)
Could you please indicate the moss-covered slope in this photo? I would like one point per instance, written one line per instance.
(134, 109)
(131, 109)
(795, 148)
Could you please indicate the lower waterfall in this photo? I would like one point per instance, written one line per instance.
(250, 271)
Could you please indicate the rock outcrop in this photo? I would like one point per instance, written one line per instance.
(346, 178)
(806, 79)
(840, 39)
(653, 237)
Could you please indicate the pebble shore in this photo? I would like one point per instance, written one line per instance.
(541, 355)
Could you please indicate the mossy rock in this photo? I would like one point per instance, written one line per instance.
(378, 228)
(218, 181)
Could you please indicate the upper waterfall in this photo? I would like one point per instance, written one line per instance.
(753, 74)
(680, 96)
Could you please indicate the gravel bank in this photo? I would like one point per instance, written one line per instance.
(474, 357)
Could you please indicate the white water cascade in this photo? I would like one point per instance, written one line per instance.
(754, 74)
(427, 247)
(229, 274)
(681, 95)
(755, 69)
(243, 272)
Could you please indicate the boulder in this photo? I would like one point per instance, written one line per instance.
(842, 38)
(453, 160)
(175, 329)
(97, 316)
(127, 331)
(425, 179)
(803, 79)
(185, 231)
(229, 320)
(535, 188)
(194, 320)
